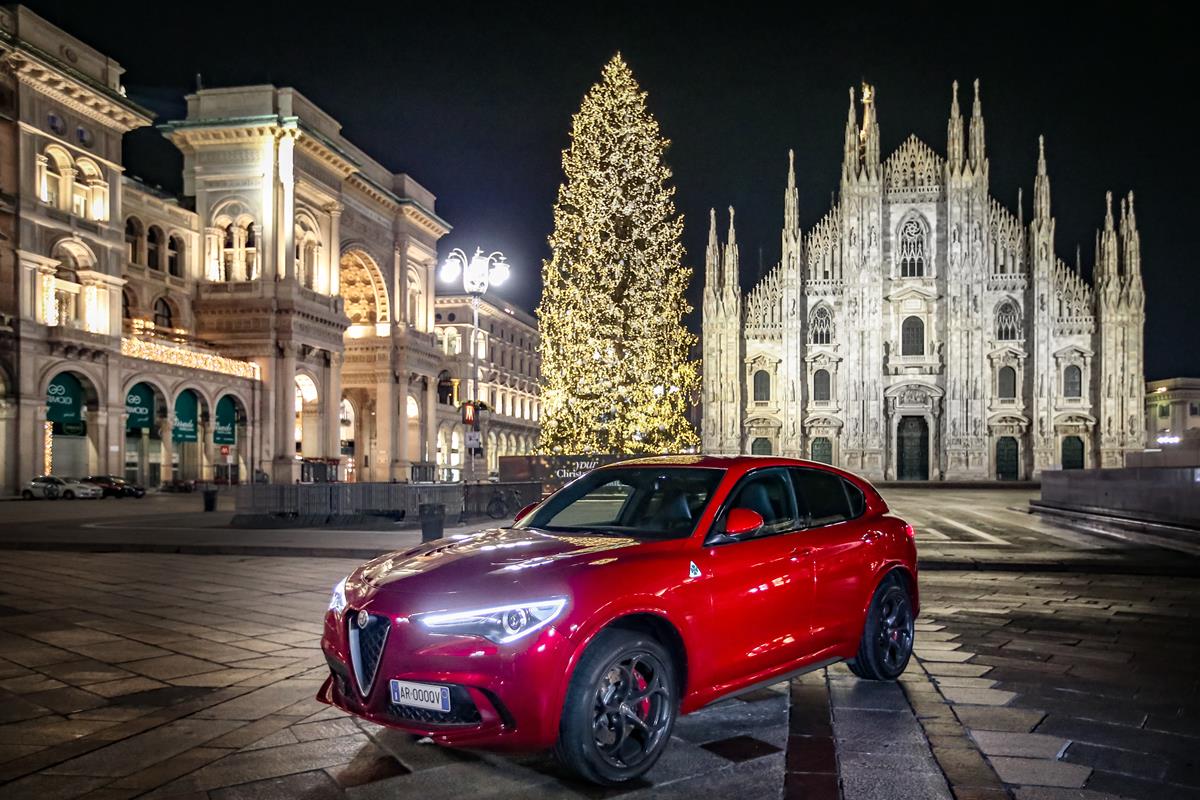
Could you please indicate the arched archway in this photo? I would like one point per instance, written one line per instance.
(70, 437)
(190, 421)
(1072, 452)
(822, 450)
(348, 436)
(307, 430)
(229, 437)
(363, 291)
(413, 413)
(149, 455)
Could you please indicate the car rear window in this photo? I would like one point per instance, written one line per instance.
(825, 498)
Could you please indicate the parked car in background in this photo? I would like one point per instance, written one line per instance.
(639, 592)
(52, 487)
(114, 486)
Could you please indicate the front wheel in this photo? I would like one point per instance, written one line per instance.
(27, 495)
(887, 639)
(68, 495)
(620, 708)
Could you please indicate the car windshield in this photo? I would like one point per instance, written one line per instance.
(641, 502)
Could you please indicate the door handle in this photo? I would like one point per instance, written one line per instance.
(802, 552)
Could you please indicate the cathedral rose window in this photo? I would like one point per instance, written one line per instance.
(912, 249)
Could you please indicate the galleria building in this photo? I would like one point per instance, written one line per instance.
(280, 320)
(921, 330)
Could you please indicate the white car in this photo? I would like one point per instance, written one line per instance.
(53, 487)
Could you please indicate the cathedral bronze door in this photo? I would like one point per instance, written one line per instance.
(1006, 458)
(912, 451)
(1072, 452)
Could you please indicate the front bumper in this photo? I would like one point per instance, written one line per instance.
(503, 697)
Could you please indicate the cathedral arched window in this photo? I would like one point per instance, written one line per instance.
(821, 383)
(1008, 322)
(1006, 383)
(762, 386)
(1072, 381)
(913, 251)
(820, 327)
(760, 447)
(912, 337)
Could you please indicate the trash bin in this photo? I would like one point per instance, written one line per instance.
(210, 499)
(433, 520)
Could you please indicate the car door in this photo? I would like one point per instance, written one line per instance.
(838, 550)
(756, 588)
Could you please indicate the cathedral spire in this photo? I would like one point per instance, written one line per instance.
(954, 132)
(850, 148)
(976, 132)
(870, 130)
(791, 219)
(1041, 185)
(731, 275)
(1107, 259)
(1131, 248)
(1078, 259)
(1021, 207)
(712, 255)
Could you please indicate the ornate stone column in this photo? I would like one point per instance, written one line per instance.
(334, 270)
(214, 253)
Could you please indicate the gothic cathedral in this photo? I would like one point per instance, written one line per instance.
(922, 331)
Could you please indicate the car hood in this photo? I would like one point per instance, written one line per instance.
(492, 561)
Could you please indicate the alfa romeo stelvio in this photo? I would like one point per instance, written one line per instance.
(640, 591)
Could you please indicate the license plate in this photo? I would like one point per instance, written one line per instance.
(421, 695)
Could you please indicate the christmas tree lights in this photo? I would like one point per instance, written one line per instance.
(615, 371)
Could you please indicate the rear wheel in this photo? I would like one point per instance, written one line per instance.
(68, 495)
(620, 708)
(887, 638)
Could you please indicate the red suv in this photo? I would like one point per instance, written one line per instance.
(640, 591)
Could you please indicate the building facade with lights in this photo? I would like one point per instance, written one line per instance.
(277, 321)
(508, 367)
(921, 330)
(1173, 412)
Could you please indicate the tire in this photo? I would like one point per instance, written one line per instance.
(68, 495)
(888, 634)
(622, 740)
(496, 509)
(27, 495)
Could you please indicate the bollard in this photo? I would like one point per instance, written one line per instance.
(210, 499)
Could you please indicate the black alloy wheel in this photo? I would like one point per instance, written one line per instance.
(620, 708)
(888, 634)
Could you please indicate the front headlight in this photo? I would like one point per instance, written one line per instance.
(337, 603)
(500, 624)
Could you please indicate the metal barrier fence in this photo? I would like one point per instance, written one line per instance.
(399, 499)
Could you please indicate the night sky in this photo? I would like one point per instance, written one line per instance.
(474, 101)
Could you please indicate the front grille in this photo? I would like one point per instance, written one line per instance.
(366, 647)
(462, 711)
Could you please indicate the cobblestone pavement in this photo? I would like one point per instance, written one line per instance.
(132, 674)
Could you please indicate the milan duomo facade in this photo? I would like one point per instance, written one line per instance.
(923, 331)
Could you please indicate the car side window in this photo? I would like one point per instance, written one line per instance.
(823, 496)
(770, 494)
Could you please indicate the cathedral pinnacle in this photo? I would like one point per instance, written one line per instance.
(1108, 215)
(732, 235)
(712, 227)
(954, 100)
(954, 132)
(1041, 185)
(791, 169)
(1041, 168)
(976, 131)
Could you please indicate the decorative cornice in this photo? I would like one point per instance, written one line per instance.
(80, 95)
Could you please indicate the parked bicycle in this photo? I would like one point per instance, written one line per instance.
(503, 503)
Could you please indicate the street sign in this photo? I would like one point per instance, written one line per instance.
(474, 440)
(224, 449)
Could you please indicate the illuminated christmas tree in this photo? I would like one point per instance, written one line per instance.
(615, 371)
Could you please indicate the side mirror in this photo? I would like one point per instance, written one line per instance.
(742, 522)
(524, 512)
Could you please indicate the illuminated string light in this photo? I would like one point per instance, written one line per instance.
(179, 357)
(611, 316)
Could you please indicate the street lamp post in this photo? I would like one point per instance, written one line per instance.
(477, 273)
